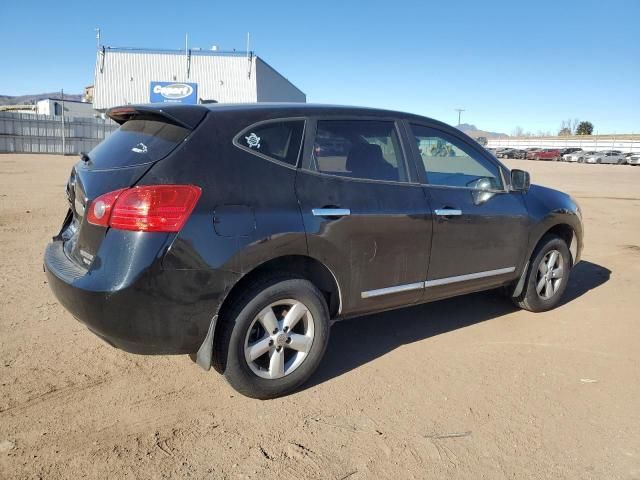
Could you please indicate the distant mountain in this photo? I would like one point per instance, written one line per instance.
(30, 99)
(475, 132)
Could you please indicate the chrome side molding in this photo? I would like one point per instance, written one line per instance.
(331, 212)
(435, 283)
(469, 276)
(389, 290)
(448, 212)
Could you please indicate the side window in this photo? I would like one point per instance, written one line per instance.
(366, 149)
(277, 140)
(450, 162)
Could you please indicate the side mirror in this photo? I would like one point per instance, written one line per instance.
(520, 180)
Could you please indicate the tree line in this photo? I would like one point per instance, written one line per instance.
(567, 128)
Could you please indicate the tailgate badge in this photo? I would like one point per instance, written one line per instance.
(140, 148)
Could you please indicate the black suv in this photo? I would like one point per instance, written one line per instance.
(237, 233)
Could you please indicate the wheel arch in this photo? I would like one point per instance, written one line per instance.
(563, 230)
(301, 266)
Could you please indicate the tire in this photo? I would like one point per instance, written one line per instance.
(245, 319)
(598, 161)
(534, 299)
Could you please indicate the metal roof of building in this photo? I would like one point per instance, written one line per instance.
(124, 75)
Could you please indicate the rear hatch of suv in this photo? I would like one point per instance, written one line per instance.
(146, 136)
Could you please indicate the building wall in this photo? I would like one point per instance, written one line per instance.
(273, 87)
(71, 109)
(123, 77)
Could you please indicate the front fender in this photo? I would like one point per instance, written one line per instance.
(550, 208)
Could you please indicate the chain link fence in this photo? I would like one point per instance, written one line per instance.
(28, 133)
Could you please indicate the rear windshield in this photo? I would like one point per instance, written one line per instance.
(137, 142)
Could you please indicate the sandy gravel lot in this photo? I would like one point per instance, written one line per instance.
(463, 388)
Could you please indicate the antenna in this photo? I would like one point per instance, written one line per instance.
(97, 30)
(459, 110)
(248, 56)
(187, 53)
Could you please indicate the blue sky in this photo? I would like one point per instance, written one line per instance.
(530, 64)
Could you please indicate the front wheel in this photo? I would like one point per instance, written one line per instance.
(547, 275)
(273, 338)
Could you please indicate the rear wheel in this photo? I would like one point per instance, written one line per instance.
(273, 338)
(547, 276)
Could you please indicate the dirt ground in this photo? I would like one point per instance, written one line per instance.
(463, 388)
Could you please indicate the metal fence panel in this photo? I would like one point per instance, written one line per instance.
(28, 133)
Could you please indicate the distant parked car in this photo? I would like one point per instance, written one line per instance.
(607, 156)
(568, 156)
(578, 156)
(567, 151)
(511, 153)
(633, 158)
(545, 154)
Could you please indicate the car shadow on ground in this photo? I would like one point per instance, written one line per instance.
(357, 341)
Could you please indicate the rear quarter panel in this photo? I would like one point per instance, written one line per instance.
(248, 212)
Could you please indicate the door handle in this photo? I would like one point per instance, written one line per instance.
(331, 212)
(448, 212)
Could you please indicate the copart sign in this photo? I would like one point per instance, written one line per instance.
(173, 92)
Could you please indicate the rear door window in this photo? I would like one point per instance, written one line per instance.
(364, 149)
(137, 142)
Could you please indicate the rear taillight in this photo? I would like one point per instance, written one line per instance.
(151, 208)
(99, 210)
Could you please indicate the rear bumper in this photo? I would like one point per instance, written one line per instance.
(145, 310)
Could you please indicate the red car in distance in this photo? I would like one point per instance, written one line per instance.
(544, 154)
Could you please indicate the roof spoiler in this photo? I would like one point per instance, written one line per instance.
(188, 116)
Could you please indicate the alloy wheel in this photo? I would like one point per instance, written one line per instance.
(550, 274)
(279, 339)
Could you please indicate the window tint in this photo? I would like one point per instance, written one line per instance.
(450, 162)
(277, 140)
(137, 142)
(367, 149)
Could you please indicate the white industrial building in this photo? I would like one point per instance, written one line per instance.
(72, 108)
(54, 107)
(127, 76)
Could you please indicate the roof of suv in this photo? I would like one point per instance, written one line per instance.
(304, 108)
(183, 112)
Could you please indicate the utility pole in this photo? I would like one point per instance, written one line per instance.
(62, 101)
(459, 110)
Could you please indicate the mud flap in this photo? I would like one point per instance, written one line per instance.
(520, 285)
(204, 357)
